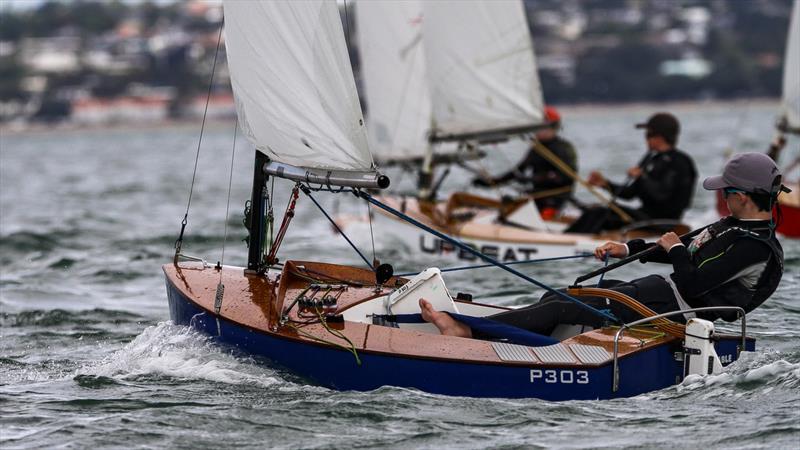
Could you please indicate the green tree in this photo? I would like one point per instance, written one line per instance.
(95, 17)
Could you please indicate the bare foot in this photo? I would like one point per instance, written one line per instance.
(443, 321)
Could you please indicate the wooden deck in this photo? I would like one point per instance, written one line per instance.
(257, 302)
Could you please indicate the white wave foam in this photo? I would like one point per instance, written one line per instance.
(180, 352)
(767, 369)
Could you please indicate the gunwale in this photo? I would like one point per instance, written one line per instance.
(255, 302)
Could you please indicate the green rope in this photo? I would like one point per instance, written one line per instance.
(337, 333)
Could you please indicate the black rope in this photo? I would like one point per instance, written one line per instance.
(199, 142)
(482, 266)
(371, 235)
(489, 259)
(307, 191)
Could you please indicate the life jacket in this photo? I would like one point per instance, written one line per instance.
(719, 237)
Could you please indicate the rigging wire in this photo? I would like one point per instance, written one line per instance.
(220, 293)
(605, 264)
(228, 205)
(483, 256)
(185, 220)
(307, 191)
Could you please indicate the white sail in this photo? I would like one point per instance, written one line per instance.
(481, 66)
(393, 70)
(791, 72)
(295, 94)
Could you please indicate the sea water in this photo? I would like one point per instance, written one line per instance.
(88, 357)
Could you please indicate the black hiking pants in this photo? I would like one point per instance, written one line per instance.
(597, 218)
(551, 310)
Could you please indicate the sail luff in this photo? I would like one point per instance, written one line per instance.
(293, 84)
(791, 73)
(395, 86)
(481, 66)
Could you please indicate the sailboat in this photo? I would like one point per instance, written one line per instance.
(441, 80)
(788, 123)
(354, 328)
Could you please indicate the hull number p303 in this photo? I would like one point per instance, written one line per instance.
(559, 376)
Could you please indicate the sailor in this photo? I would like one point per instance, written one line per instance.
(736, 261)
(540, 176)
(663, 180)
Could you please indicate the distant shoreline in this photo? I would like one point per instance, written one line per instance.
(45, 128)
(66, 127)
(678, 104)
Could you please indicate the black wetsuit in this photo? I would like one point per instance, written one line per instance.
(665, 188)
(541, 175)
(731, 263)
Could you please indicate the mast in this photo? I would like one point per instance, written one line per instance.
(296, 101)
(256, 223)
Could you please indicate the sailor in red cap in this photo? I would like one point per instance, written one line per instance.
(540, 176)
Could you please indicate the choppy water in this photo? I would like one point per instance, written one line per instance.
(88, 357)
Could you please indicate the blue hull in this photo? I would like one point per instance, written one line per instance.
(337, 369)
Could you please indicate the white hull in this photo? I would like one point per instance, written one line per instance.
(399, 234)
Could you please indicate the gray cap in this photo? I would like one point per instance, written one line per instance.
(750, 172)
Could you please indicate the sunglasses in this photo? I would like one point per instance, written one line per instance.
(728, 191)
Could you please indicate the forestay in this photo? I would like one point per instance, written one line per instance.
(295, 94)
(393, 69)
(791, 72)
(481, 66)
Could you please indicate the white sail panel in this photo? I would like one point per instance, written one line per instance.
(791, 72)
(393, 69)
(481, 66)
(295, 94)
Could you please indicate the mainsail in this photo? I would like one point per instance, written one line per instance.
(393, 69)
(481, 67)
(791, 73)
(295, 93)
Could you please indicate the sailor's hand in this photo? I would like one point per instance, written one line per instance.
(635, 172)
(668, 240)
(597, 179)
(613, 249)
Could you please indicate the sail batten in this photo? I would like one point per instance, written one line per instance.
(791, 73)
(293, 85)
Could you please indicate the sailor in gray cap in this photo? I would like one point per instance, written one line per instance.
(736, 261)
(748, 172)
